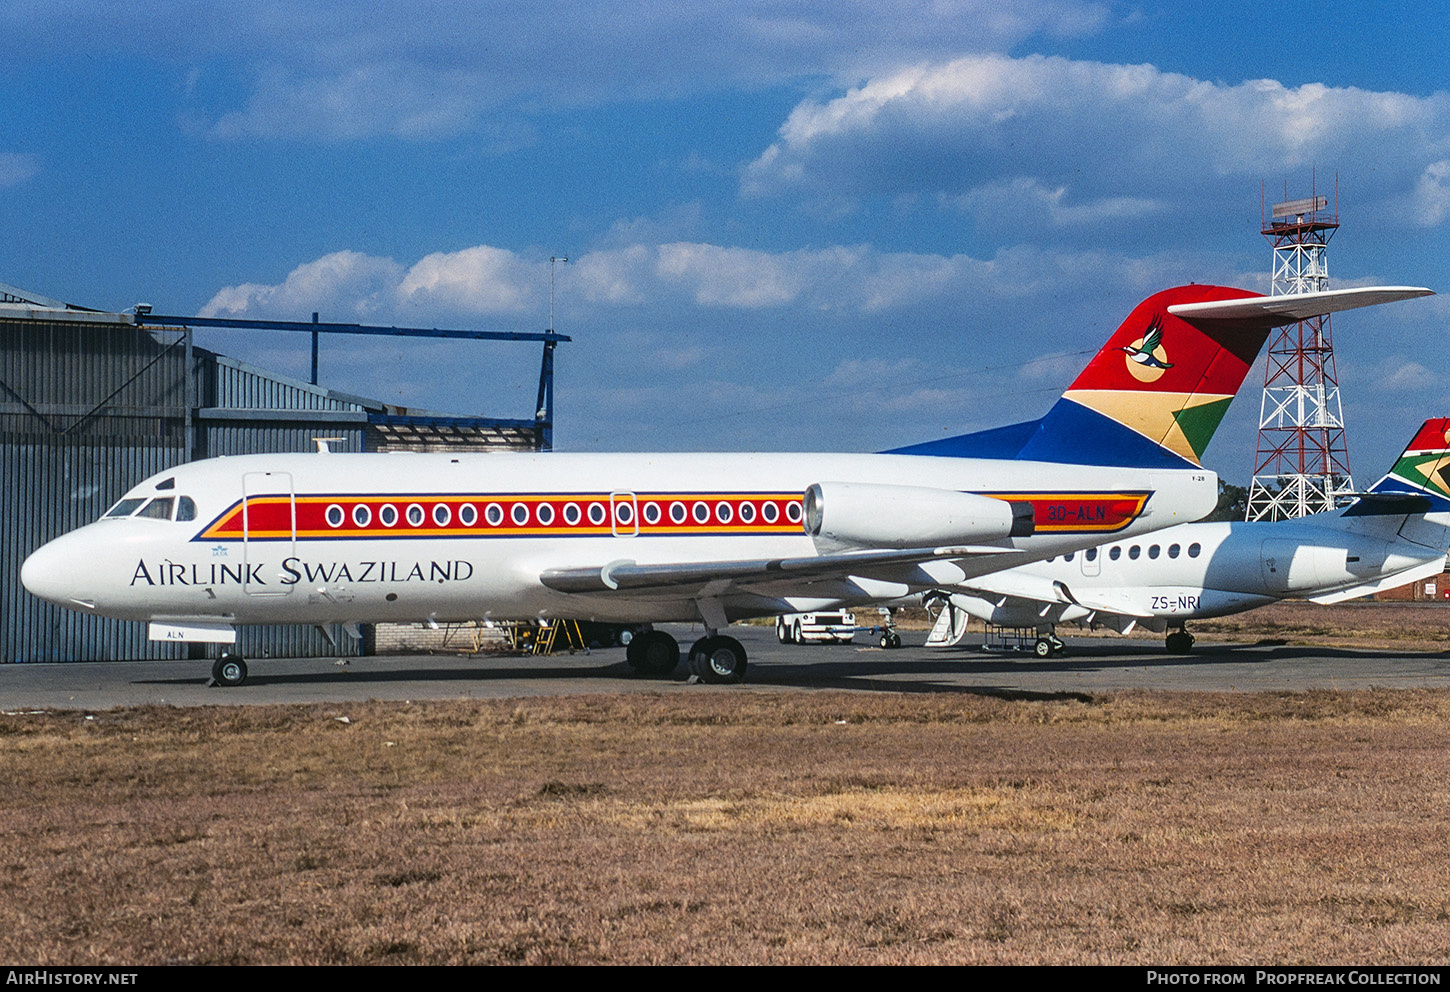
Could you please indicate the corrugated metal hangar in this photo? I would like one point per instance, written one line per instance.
(92, 402)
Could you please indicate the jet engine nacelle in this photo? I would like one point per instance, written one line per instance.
(1298, 566)
(865, 515)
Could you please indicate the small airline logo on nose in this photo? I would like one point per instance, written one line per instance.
(1147, 358)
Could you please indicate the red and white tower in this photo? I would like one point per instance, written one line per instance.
(1302, 464)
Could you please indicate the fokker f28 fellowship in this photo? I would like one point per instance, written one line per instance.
(643, 538)
(1393, 534)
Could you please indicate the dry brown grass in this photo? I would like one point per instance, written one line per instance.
(1413, 626)
(728, 826)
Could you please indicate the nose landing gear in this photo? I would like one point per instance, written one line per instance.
(1047, 645)
(229, 670)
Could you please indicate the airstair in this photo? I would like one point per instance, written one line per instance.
(950, 624)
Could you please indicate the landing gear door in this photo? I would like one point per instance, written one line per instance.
(269, 531)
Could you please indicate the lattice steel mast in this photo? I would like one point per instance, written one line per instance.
(1301, 465)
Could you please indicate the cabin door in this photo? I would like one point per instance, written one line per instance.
(269, 531)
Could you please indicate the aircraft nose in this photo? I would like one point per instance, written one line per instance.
(54, 572)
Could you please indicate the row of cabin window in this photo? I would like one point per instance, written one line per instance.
(1116, 551)
(160, 508)
(543, 513)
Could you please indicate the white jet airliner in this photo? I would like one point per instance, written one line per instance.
(398, 537)
(1393, 534)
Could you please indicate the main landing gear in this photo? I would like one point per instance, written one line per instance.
(715, 658)
(652, 654)
(1179, 641)
(718, 659)
(229, 670)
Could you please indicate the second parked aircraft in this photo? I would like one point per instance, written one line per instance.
(1393, 534)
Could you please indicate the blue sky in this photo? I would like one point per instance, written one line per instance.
(791, 226)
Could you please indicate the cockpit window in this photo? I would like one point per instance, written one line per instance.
(124, 508)
(168, 483)
(158, 509)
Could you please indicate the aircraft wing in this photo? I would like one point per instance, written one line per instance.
(1018, 586)
(1297, 306)
(715, 578)
(1043, 590)
(1054, 601)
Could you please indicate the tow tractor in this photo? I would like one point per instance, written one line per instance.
(836, 627)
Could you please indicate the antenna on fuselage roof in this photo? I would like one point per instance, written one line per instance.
(322, 442)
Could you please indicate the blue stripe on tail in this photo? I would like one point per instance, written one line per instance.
(1069, 434)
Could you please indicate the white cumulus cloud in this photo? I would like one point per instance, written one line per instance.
(735, 277)
(341, 283)
(482, 280)
(1430, 204)
(665, 278)
(1064, 142)
(475, 280)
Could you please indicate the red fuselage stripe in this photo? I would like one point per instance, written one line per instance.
(339, 517)
(513, 515)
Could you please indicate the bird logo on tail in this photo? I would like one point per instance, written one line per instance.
(1147, 358)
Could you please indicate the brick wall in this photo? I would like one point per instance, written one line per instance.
(1435, 588)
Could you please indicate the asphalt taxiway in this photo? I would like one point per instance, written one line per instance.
(1091, 665)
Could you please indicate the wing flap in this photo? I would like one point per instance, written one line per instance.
(1016, 585)
(1040, 589)
(1102, 600)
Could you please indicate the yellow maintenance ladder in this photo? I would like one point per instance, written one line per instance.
(544, 638)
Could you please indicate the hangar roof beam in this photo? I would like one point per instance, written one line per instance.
(147, 320)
